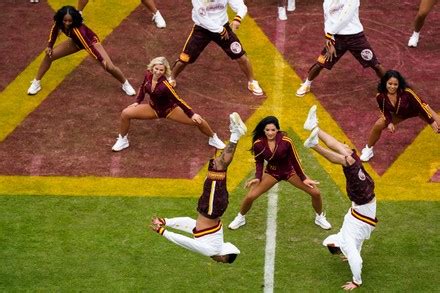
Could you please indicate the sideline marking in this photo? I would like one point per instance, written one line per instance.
(271, 239)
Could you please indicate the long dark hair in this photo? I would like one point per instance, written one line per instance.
(382, 86)
(77, 19)
(259, 129)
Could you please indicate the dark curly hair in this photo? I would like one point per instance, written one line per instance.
(77, 19)
(259, 129)
(382, 86)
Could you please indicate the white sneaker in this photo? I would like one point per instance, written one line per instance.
(121, 143)
(322, 222)
(413, 40)
(255, 88)
(34, 88)
(159, 20)
(236, 124)
(237, 127)
(303, 90)
(291, 5)
(313, 138)
(282, 15)
(128, 89)
(34, 1)
(367, 153)
(216, 142)
(237, 222)
(312, 120)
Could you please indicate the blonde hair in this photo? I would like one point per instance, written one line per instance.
(160, 61)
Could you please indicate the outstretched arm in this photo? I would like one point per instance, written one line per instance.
(355, 261)
(185, 241)
(222, 162)
(333, 156)
(185, 224)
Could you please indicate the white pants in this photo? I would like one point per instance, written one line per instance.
(352, 235)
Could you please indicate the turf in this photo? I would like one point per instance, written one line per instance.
(104, 244)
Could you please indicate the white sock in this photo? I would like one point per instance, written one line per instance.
(235, 137)
(416, 34)
(307, 82)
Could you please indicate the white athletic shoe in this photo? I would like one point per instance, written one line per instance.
(282, 15)
(128, 89)
(121, 143)
(237, 222)
(322, 222)
(413, 40)
(216, 142)
(34, 88)
(312, 120)
(236, 124)
(303, 90)
(255, 88)
(159, 20)
(237, 127)
(34, 1)
(313, 139)
(291, 5)
(367, 153)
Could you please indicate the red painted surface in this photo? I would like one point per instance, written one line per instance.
(348, 91)
(72, 131)
(25, 29)
(436, 177)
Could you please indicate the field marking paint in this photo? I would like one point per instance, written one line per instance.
(16, 105)
(271, 239)
(407, 179)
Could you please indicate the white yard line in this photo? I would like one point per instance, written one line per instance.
(271, 235)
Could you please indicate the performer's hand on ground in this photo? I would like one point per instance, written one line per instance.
(196, 118)
(310, 182)
(349, 286)
(252, 182)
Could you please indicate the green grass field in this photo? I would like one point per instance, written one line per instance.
(104, 244)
